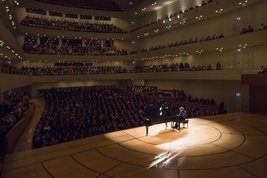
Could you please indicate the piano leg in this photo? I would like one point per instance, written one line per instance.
(146, 130)
(172, 125)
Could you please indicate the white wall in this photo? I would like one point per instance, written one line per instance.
(8, 82)
(226, 23)
(167, 10)
(258, 56)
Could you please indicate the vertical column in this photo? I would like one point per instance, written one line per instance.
(38, 40)
(60, 42)
(1, 93)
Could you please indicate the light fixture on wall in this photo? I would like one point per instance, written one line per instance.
(220, 49)
(199, 51)
(219, 11)
(237, 94)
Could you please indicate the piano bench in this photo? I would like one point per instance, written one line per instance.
(185, 122)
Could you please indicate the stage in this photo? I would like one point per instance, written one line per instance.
(231, 145)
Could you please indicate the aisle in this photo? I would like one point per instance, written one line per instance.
(25, 141)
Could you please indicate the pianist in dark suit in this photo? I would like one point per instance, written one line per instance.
(182, 116)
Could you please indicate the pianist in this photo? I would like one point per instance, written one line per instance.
(182, 116)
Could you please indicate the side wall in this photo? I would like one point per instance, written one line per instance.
(258, 98)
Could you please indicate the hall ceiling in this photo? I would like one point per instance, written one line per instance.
(109, 5)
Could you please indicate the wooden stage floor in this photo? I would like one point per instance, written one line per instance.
(231, 145)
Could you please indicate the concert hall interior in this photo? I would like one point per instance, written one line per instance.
(133, 88)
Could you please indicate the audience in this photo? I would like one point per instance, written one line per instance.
(170, 68)
(79, 68)
(72, 69)
(49, 45)
(77, 112)
(263, 70)
(218, 66)
(247, 30)
(97, 27)
(262, 27)
(185, 42)
(195, 106)
(8, 69)
(11, 111)
(71, 46)
(43, 22)
(73, 113)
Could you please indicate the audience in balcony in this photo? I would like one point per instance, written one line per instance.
(11, 111)
(247, 30)
(171, 68)
(263, 70)
(57, 24)
(262, 27)
(204, 4)
(185, 42)
(9, 69)
(72, 69)
(96, 27)
(83, 68)
(71, 46)
(48, 45)
(218, 66)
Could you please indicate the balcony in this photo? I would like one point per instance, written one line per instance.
(230, 42)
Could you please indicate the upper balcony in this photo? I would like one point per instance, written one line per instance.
(145, 29)
(250, 39)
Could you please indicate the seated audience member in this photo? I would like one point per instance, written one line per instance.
(263, 70)
(218, 66)
(11, 111)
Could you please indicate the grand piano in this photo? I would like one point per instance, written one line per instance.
(162, 114)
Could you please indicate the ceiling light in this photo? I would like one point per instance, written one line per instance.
(144, 9)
